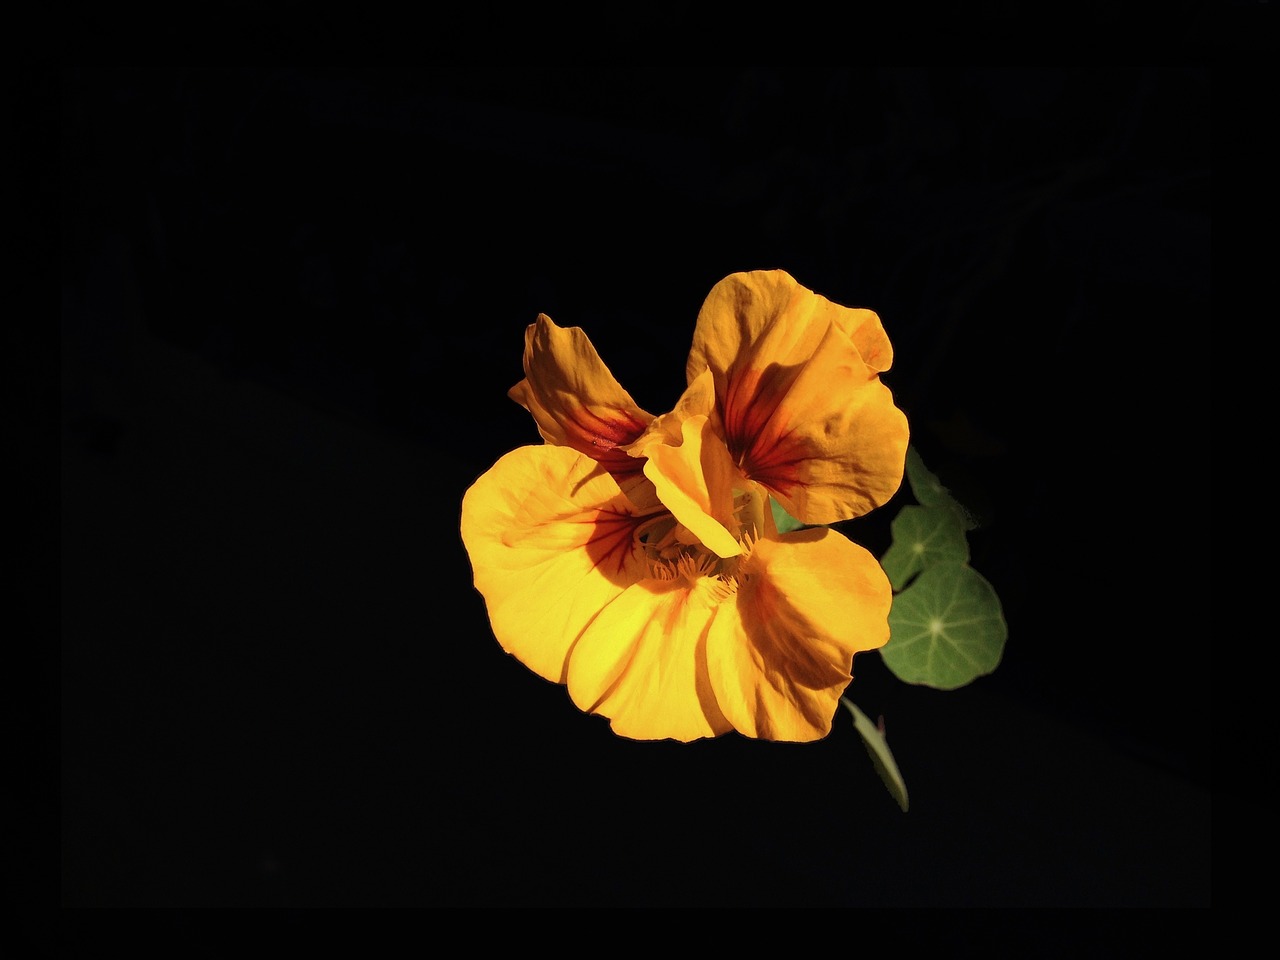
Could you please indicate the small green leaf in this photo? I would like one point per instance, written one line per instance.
(881, 755)
(930, 492)
(946, 629)
(785, 521)
(923, 537)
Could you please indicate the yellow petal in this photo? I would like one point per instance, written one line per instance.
(780, 657)
(695, 481)
(864, 328)
(741, 309)
(551, 539)
(798, 395)
(828, 443)
(642, 662)
(698, 399)
(573, 397)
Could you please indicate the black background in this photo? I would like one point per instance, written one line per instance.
(293, 301)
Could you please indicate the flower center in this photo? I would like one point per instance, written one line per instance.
(673, 551)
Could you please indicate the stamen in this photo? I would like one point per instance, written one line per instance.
(703, 571)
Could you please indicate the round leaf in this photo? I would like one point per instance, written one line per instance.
(946, 629)
(923, 537)
(930, 492)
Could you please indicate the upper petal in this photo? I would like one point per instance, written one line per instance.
(780, 657)
(698, 399)
(738, 312)
(691, 470)
(573, 397)
(826, 439)
(695, 482)
(551, 539)
(798, 395)
(864, 329)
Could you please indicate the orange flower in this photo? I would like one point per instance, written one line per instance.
(635, 559)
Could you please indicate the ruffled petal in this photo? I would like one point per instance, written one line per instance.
(798, 395)
(642, 661)
(780, 657)
(692, 473)
(826, 440)
(864, 329)
(574, 399)
(698, 399)
(695, 481)
(738, 312)
(552, 542)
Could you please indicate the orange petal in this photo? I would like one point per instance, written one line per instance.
(798, 395)
(741, 309)
(698, 399)
(573, 397)
(780, 657)
(551, 539)
(642, 662)
(827, 442)
(864, 328)
(695, 482)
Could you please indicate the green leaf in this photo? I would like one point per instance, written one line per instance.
(881, 755)
(785, 521)
(946, 629)
(923, 537)
(930, 492)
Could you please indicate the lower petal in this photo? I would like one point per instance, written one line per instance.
(551, 539)
(780, 657)
(642, 662)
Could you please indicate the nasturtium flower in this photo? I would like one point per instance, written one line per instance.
(635, 559)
